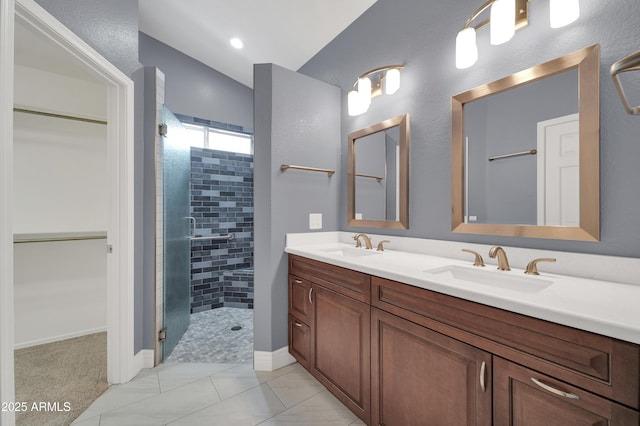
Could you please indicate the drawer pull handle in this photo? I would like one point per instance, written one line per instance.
(297, 281)
(482, 374)
(297, 324)
(310, 292)
(553, 390)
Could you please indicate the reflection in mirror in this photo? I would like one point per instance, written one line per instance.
(378, 175)
(506, 156)
(525, 152)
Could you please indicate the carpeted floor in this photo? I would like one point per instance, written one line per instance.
(59, 380)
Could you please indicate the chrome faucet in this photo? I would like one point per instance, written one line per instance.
(503, 263)
(367, 241)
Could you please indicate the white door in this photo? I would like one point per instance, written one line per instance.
(559, 171)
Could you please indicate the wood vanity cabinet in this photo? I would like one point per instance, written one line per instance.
(431, 359)
(420, 377)
(334, 315)
(604, 373)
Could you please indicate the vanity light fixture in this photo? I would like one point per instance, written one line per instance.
(372, 84)
(506, 17)
(630, 63)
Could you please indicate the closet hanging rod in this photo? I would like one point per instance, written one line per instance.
(57, 239)
(378, 178)
(285, 167)
(230, 236)
(65, 117)
(515, 154)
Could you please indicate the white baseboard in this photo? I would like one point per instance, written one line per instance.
(270, 361)
(58, 338)
(143, 359)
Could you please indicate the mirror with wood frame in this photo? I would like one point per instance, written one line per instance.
(378, 175)
(526, 151)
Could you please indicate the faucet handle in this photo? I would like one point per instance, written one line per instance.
(380, 245)
(358, 243)
(531, 267)
(478, 261)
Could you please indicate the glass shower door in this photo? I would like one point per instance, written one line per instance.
(177, 246)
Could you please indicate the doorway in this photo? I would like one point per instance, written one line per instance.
(61, 50)
(217, 218)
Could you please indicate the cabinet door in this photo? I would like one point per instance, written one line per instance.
(526, 397)
(340, 350)
(300, 341)
(299, 298)
(420, 377)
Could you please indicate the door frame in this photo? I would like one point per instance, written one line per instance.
(121, 365)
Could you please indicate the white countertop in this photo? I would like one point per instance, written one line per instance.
(604, 307)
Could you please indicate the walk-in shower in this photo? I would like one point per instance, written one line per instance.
(221, 268)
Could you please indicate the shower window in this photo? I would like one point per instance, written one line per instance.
(221, 140)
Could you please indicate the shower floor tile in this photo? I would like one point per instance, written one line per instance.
(210, 338)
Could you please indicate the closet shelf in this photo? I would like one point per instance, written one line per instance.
(286, 167)
(43, 237)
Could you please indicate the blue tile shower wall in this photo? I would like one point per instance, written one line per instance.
(222, 202)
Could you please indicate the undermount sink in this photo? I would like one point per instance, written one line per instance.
(352, 252)
(496, 279)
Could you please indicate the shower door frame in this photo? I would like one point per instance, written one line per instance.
(122, 364)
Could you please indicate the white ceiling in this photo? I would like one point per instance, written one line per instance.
(284, 32)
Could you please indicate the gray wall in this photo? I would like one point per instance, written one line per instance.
(194, 89)
(297, 121)
(111, 28)
(422, 35)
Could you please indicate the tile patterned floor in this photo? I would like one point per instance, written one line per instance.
(209, 338)
(218, 394)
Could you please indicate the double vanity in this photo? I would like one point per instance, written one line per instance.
(408, 336)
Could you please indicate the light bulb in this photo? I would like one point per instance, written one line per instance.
(503, 21)
(364, 89)
(355, 104)
(392, 81)
(563, 12)
(466, 48)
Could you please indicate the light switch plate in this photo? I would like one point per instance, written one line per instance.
(315, 220)
(358, 216)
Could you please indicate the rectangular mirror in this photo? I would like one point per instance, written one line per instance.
(525, 152)
(378, 175)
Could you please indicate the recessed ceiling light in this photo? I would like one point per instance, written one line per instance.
(236, 42)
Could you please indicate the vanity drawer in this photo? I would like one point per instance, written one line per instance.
(341, 280)
(299, 298)
(603, 365)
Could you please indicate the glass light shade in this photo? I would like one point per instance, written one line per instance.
(356, 105)
(564, 12)
(466, 48)
(392, 81)
(503, 21)
(364, 89)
